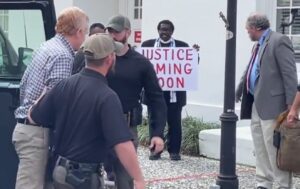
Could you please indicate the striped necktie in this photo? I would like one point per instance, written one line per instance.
(252, 60)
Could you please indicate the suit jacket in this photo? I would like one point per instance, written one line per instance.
(180, 95)
(276, 85)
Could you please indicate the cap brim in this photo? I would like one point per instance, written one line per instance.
(118, 47)
(116, 27)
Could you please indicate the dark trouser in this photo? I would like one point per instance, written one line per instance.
(70, 175)
(174, 134)
(123, 179)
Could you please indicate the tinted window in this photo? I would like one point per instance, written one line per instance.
(21, 32)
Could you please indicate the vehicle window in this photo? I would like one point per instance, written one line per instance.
(21, 32)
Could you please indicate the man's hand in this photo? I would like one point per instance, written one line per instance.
(156, 144)
(292, 117)
(139, 184)
(196, 47)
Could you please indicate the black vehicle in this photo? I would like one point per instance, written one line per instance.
(24, 25)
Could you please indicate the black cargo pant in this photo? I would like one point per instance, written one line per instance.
(73, 175)
(123, 179)
(174, 135)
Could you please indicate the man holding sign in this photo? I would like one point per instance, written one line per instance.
(175, 100)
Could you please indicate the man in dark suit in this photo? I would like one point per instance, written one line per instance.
(175, 100)
(269, 86)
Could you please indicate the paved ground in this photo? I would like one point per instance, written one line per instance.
(190, 173)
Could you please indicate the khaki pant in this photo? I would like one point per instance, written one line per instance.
(31, 144)
(267, 171)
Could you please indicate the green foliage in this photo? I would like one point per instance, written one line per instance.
(191, 126)
(143, 133)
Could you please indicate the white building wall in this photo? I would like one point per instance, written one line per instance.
(199, 22)
(60, 5)
(102, 10)
(98, 10)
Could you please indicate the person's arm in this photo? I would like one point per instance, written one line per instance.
(294, 111)
(42, 112)
(239, 89)
(117, 135)
(285, 58)
(127, 156)
(34, 104)
(60, 69)
(156, 101)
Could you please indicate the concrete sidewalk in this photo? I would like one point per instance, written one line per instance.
(190, 172)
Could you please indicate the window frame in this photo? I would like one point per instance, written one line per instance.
(137, 9)
(290, 30)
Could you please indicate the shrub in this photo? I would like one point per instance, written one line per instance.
(143, 133)
(191, 126)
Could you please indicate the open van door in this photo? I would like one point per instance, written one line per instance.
(24, 25)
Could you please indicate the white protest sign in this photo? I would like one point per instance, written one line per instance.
(176, 67)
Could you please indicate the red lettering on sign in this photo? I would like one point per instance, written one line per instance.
(157, 53)
(177, 68)
(180, 54)
(137, 36)
(189, 54)
(172, 68)
(160, 68)
(170, 82)
(169, 54)
(187, 68)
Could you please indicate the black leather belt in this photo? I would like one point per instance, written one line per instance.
(26, 121)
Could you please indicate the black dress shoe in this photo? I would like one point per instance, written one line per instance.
(154, 156)
(260, 187)
(175, 156)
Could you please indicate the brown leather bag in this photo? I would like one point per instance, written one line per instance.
(288, 150)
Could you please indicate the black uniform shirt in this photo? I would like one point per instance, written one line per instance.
(132, 73)
(87, 115)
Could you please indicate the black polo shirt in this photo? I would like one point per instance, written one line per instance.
(132, 73)
(87, 116)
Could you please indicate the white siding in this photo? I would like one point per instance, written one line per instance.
(98, 11)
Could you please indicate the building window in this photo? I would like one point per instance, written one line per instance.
(138, 9)
(4, 21)
(283, 14)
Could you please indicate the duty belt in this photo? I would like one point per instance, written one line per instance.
(93, 167)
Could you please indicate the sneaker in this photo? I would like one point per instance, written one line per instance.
(154, 156)
(175, 156)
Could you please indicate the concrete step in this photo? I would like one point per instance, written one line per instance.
(209, 143)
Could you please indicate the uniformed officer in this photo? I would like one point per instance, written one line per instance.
(88, 120)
